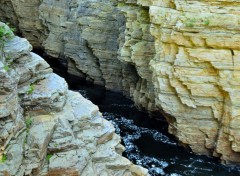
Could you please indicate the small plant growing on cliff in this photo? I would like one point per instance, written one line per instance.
(206, 22)
(6, 67)
(28, 122)
(4, 158)
(5, 35)
(49, 156)
(30, 89)
(25, 140)
(190, 22)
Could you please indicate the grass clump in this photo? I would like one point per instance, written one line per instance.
(30, 89)
(206, 22)
(6, 67)
(4, 158)
(49, 156)
(28, 122)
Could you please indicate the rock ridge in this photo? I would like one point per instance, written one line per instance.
(48, 130)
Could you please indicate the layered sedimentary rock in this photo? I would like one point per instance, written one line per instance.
(172, 55)
(90, 37)
(45, 129)
(135, 54)
(195, 73)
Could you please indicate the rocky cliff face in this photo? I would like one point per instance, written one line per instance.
(177, 56)
(92, 37)
(45, 129)
(195, 73)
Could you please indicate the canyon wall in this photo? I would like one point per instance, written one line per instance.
(46, 129)
(196, 73)
(178, 57)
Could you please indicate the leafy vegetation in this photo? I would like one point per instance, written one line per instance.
(206, 22)
(4, 158)
(28, 122)
(30, 89)
(49, 156)
(6, 34)
(6, 67)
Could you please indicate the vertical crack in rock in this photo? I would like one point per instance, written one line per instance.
(138, 50)
(99, 23)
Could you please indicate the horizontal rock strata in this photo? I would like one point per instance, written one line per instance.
(195, 73)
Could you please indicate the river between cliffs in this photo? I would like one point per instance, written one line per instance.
(145, 138)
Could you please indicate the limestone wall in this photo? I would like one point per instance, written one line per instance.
(196, 73)
(47, 130)
(178, 56)
(92, 37)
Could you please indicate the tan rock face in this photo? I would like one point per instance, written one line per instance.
(195, 73)
(181, 57)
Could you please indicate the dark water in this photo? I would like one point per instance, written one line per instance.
(146, 139)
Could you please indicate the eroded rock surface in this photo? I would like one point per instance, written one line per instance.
(181, 57)
(45, 129)
(195, 73)
(100, 42)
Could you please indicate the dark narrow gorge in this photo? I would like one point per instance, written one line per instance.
(146, 138)
(119, 87)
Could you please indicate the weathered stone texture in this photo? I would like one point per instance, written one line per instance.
(86, 35)
(195, 73)
(47, 130)
(178, 56)
(135, 53)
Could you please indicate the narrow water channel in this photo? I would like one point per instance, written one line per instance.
(145, 138)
